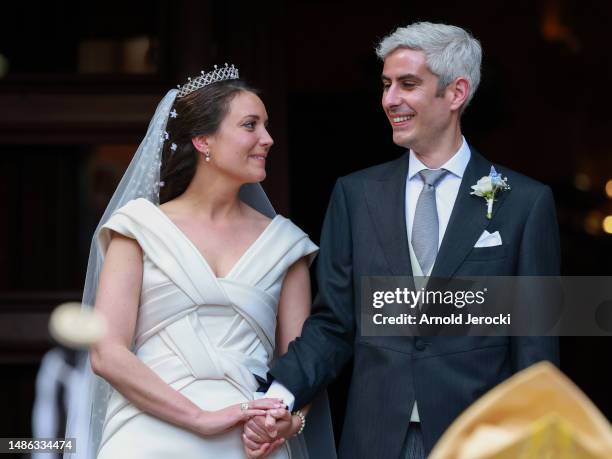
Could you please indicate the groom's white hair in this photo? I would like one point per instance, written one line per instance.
(450, 51)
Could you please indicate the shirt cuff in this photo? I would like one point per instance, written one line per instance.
(277, 390)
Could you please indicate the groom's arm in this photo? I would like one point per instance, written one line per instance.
(326, 343)
(539, 256)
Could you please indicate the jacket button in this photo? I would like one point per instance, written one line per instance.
(420, 345)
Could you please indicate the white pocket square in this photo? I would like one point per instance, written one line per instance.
(487, 239)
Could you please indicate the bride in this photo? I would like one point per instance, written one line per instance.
(199, 282)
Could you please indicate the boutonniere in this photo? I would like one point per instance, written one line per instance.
(487, 186)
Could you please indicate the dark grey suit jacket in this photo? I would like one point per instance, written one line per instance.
(364, 234)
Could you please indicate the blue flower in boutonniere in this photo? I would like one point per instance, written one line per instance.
(487, 186)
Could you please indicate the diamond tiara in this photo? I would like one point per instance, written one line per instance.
(228, 72)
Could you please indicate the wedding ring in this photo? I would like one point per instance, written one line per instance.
(244, 406)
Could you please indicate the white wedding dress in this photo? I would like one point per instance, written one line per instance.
(205, 336)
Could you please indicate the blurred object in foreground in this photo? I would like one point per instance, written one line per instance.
(57, 387)
(538, 413)
(76, 327)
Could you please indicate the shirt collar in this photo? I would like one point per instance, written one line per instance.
(455, 165)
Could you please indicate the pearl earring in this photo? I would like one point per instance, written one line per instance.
(207, 156)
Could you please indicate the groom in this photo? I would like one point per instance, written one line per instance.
(415, 216)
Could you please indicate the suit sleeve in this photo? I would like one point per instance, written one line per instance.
(539, 256)
(318, 355)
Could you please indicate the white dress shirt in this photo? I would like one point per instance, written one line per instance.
(446, 189)
(446, 194)
(277, 390)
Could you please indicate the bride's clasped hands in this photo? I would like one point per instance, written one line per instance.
(223, 420)
(264, 434)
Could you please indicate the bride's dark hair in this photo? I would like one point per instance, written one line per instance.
(198, 113)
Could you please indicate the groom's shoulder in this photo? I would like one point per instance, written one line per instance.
(515, 179)
(521, 184)
(377, 172)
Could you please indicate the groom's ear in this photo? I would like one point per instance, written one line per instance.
(459, 92)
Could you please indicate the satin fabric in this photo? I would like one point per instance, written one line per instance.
(205, 336)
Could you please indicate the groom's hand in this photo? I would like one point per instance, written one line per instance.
(261, 451)
(270, 424)
(258, 441)
(261, 433)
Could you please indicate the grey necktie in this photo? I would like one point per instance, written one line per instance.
(425, 225)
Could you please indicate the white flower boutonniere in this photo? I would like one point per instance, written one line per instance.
(487, 186)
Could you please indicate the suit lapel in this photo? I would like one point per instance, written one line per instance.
(467, 221)
(386, 202)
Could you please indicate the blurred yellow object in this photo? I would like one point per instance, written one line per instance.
(582, 182)
(609, 188)
(537, 414)
(76, 327)
(607, 224)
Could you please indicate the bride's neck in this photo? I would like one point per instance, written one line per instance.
(212, 197)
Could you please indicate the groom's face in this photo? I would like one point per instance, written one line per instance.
(417, 112)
